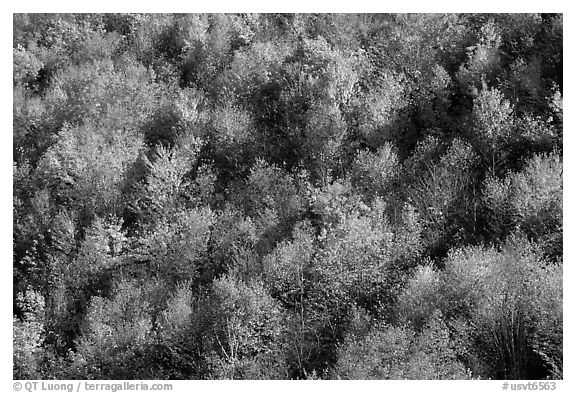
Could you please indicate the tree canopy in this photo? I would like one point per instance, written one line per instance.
(287, 196)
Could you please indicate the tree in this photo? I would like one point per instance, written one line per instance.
(442, 190)
(305, 196)
(379, 113)
(530, 200)
(492, 121)
(243, 331)
(499, 291)
(28, 336)
(483, 62)
(85, 169)
(115, 330)
(388, 352)
(374, 174)
(272, 198)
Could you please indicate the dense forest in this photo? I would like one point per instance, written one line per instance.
(287, 196)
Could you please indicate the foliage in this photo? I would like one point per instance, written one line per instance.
(388, 352)
(245, 331)
(496, 299)
(443, 195)
(114, 331)
(375, 173)
(530, 200)
(287, 196)
(28, 336)
(492, 122)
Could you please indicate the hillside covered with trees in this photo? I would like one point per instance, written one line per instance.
(287, 196)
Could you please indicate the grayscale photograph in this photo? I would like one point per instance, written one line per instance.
(287, 197)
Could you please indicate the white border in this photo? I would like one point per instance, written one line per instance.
(292, 6)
